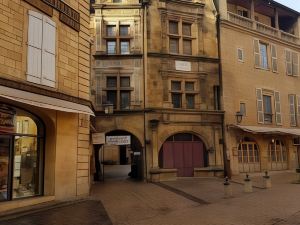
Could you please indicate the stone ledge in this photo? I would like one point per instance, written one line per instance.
(208, 172)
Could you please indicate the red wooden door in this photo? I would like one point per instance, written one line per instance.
(184, 156)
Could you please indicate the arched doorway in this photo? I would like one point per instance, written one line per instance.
(122, 156)
(21, 154)
(277, 155)
(184, 152)
(248, 156)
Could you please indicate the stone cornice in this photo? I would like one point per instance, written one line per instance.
(184, 57)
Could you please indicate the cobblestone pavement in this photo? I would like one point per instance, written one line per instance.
(196, 201)
(84, 213)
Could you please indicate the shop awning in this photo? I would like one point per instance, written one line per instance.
(43, 101)
(268, 130)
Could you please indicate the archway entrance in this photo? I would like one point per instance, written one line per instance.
(248, 156)
(121, 157)
(183, 152)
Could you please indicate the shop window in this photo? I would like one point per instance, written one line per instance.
(277, 151)
(21, 154)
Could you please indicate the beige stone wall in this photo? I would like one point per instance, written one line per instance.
(72, 55)
(240, 80)
(67, 154)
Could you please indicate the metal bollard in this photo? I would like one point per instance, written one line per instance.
(248, 184)
(227, 188)
(267, 180)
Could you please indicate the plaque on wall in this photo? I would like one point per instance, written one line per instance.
(183, 65)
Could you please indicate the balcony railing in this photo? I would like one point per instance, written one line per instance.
(260, 27)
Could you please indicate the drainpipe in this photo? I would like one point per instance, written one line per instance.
(227, 172)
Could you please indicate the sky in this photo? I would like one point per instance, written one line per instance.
(293, 4)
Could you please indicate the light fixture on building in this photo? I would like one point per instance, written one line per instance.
(108, 108)
(239, 117)
(154, 123)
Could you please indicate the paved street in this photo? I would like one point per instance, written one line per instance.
(197, 201)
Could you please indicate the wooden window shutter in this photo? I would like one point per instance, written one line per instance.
(278, 118)
(98, 34)
(34, 55)
(260, 110)
(288, 60)
(274, 58)
(292, 110)
(298, 110)
(256, 53)
(295, 65)
(48, 52)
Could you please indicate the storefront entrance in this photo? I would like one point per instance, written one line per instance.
(277, 154)
(21, 155)
(248, 156)
(183, 152)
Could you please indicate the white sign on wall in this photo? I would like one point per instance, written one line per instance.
(118, 140)
(98, 138)
(183, 65)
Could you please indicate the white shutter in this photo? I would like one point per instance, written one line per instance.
(260, 110)
(34, 54)
(274, 58)
(292, 110)
(256, 53)
(295, 64)
(288, 60)
(298, 110)
(48, 52)
(277, 108)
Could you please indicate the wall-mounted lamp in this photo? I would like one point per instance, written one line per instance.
(154, 123)
(108, 108)
(239, 117)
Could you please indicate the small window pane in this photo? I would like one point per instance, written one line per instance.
(111, 30)
(189, 86)
(173, 27)
(187, 47)
(240, 54)
(190, 101)
(243, 108)
(125, 99)
(267, 108)
(124, 47)
(112, 98)
(111, 82)
(174, 45)
(125, 81)
(263, 56)
(186, 29)
(111, 47)
(124, 30)
(176, 100)
(175, 85)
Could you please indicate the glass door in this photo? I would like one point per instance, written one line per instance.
(5, 142)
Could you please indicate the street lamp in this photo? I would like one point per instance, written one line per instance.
(239, 117)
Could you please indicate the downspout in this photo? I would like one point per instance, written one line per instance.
(227, 172)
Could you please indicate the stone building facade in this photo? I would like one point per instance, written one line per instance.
(260, 77)
(157, 63)
(44, 101)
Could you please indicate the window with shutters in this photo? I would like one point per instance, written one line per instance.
(261, 54)
(292, 63)
(268, 105)
(118, 91)
(41, 55)
(183, 94)
(180, 37)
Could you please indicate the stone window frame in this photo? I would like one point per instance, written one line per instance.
(180, 36)
(118, 89)
(118, 38)
(184, 93)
